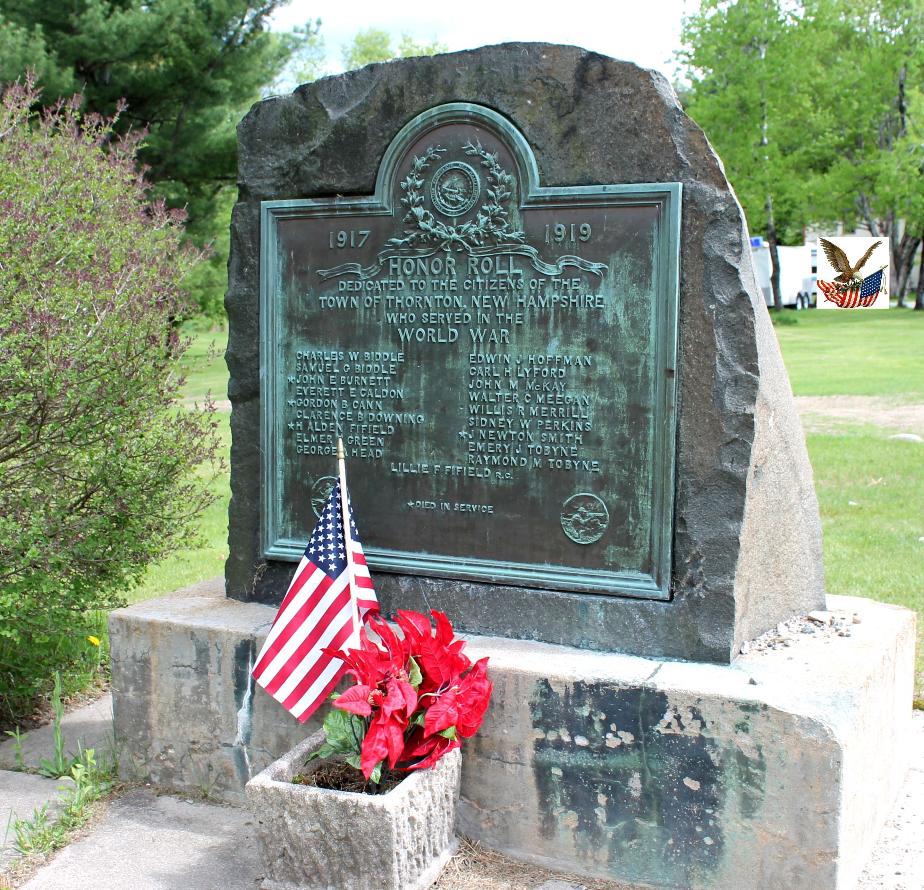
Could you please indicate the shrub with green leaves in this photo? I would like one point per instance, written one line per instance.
(95, 458)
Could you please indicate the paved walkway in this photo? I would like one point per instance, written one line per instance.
(83, 728)
(21, 794)
(146, 841)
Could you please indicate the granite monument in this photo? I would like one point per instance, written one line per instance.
(518, 283)
(533, 318)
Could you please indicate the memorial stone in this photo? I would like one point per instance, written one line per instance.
(532, 316)
(519, 284)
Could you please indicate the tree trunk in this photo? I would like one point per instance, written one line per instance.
(774, 256)
(866, 211)
(768, 204)
(919, 291)
(897, 266)
(902, 264)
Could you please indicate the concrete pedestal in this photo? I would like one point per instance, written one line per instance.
(775, 771)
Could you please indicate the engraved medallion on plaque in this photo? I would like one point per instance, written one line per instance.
(499, 356)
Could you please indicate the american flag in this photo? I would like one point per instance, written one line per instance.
(315, 614)
(862, 295)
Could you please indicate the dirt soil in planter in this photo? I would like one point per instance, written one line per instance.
(340, 776)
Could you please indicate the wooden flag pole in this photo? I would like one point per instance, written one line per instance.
(353, 642)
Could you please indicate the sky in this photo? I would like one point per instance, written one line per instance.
(646, 32)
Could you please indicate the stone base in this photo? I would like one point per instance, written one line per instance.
(775, 771)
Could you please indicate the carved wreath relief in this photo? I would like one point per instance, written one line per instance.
(454, 190)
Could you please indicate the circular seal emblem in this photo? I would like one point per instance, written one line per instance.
(455, 188)
(584, 518)
(320, 491)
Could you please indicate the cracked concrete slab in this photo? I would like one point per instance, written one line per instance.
(21, 794)
(83, 728)
(796, 753)
(146, 842)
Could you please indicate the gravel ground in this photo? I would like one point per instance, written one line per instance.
(819, 413)
(897, 862)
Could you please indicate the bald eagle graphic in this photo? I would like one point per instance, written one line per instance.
(849, 275)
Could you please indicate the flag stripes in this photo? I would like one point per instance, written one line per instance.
(316, 613)
(860, 295)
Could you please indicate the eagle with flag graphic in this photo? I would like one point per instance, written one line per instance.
(849, 290)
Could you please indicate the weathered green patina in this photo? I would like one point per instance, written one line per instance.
(498, 356)
(643, 783)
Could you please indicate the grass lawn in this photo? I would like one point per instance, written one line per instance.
(207, 558)
(204, 368)
(204, 364)
(870, 488)
(832, 352)
(871, 495)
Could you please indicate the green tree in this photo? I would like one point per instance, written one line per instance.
(743, 64)
(23, 47)
(808, 105)
(874, 77)
(187, 71)
(95, 459)
(375, 45)
(408, 47)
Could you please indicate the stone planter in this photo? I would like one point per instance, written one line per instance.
(318, 839)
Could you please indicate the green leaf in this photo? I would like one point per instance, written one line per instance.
(449, 733)
(376, 775)
(344, 731)
(324, 751)
(415, 677)
(354, 760)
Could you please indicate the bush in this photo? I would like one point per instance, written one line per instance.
(95, 457)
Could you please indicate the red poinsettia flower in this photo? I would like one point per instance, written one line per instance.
(439, 655)
(359, 699)
(421, 752)
(392, 693)
(384, 693)
(384, 740)
(462, 705)
(418, 695)
(370, 663)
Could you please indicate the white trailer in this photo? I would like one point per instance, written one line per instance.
(797, 281)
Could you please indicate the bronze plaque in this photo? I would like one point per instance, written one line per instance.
(499, 357)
